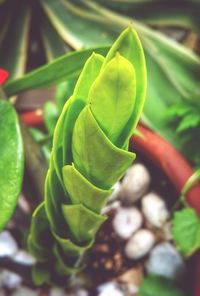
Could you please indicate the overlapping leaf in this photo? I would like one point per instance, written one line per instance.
(85, 160)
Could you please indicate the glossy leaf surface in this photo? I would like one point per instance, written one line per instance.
(11, 161)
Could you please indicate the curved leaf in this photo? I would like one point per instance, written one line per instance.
(11, 161)
(65, 67)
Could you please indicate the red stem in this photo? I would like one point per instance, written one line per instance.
(170, 160)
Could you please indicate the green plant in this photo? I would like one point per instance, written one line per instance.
(89, 155)
(65, 25)
(154, 285)
(186, 222)
(11, 161)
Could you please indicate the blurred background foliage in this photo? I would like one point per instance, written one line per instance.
(36, 32)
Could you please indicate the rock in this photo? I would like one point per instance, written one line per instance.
(2, 293)
(154, 209)
(127, 221)
(140, 244)
(57, 292)
(24, 257)
(10, 279)
(108, 289)
(132, 276)
(112, 206)
(135, 183)
(116, 189)
(23, 291)
(8, 245)
(165, 261)
(82, 292)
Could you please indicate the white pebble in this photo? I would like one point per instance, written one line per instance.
(154, 209)
(10, 279)
(23, 291)
(140, 244)
(8, 245)
(115, 205)
(55, 291)
(24, 257)
(164, 260)
(82, 292)
(135, 183)
(127, 221)
(108, 289)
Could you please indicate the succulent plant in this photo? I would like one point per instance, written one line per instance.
(89, 155)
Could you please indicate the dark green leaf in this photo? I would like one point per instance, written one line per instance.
(11, 161)
(13, 51)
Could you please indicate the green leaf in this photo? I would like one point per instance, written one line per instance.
(186, 231)
(73, 31)
(13, 51)
(160, 13)
(83, 223)
(64, 91)
(129, 46)
(65, 67)
(112, 90)
(40, 240)
(97, 151)
(159, 286)
(11, 161)
(50, 116)
(71, 110)
(86, 193)
(173, 72)
(53, 45)
(70, 248)
(60, 265)
(189, 121)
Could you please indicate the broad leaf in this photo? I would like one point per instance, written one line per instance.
(184, 13)
(159, 286)
(11, 161)
(73, 30)
(186, 231)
